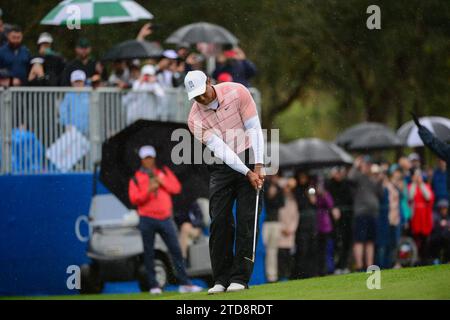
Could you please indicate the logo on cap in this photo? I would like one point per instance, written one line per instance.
(191, 84)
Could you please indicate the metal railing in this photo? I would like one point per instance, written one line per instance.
(58, 130)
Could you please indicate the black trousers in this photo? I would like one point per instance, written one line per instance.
(343, 239)
(305, 265)
(231, 242)
(440, 246)
(285, 262)
(322, 243)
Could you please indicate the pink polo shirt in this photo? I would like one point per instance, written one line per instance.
(236, 105)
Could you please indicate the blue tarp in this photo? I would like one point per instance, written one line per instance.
(37, 233)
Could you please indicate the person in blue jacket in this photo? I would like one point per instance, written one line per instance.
(235, 62)
(439, 181)
(15, 57)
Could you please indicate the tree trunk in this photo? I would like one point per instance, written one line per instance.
(269, 116)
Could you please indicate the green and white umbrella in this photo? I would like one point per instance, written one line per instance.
(96, 12)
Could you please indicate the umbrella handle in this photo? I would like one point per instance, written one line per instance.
(415, 119)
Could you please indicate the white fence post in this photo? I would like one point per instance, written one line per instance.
(6, 129)
(94, 128)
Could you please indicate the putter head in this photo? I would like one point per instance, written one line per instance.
(252, 259)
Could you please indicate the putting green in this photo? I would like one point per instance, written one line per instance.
(431, 282)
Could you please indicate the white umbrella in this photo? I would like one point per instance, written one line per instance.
(96, 12)
(439, 126)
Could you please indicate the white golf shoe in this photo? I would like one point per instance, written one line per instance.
(189, 289)
(155, 290)
(233, 287)
(218, 288)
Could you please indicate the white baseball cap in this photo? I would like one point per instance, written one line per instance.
(195, 83)
(414, 157)
(45, 37)
(148, 69)
(77, 75)
(147, 151)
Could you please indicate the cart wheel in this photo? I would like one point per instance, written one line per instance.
(161, 274)
(90, 280)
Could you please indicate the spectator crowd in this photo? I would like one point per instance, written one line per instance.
(346, 219)
(316, 224)
(46, 67)
(145, 82)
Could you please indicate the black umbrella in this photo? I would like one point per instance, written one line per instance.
(202, 32)
(409, 135)
(280, 154)
(120, 160)
(315, 153)
(375, 140)
(134, 49)
(350, 134)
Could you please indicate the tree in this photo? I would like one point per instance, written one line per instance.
(301, 46)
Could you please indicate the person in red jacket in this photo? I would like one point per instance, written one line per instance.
(421, 198)
(151, 190)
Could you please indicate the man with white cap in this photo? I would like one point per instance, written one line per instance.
(151, 190)
(168, 69)
(74, 109)
(138, 106)
(147, 81)
(221, 114)
(48, 65)
(78, 78)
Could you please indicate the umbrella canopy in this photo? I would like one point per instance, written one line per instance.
(96, 12)
(202, 32)
(134, 49)
(375, 140)
(280, 152)
(439, 126)
(120, 161)
(315, 153)
(354, 132)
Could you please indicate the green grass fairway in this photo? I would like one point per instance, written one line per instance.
(431, 282)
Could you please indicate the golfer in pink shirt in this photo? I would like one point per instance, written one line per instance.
(224, 117)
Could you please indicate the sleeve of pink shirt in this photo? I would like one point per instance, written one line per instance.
(247, 107)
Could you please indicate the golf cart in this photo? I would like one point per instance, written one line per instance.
(116, 250)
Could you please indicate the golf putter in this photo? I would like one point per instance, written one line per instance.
(255, 228)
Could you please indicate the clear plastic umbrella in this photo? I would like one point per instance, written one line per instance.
(203, 32)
